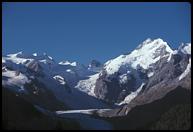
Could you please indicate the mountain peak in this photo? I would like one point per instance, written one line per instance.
(159, 40)
(154, 43)
(148, 40)
(144, 55)
(74, 63)
(149, 53)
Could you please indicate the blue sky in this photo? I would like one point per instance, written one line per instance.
(85, 31)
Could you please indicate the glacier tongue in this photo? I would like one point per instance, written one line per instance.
(88, 85)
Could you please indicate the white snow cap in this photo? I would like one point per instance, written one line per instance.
(64, 63)
(144, 55)
(74, 64)
(34, 54)
(68, 63)
(148, 40)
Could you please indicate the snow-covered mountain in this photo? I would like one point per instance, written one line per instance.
(126, 73)
(168, 75)
(144, 75)
(36, 75)
(121, 79)
(117, 80)
(146, 54)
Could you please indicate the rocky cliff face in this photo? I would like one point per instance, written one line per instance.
(167, 77)
(125, 74)
(169, 73)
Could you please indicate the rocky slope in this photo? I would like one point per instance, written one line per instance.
(125, 74)
(168, 75)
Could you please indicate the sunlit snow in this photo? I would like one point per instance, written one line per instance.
(144, 56)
